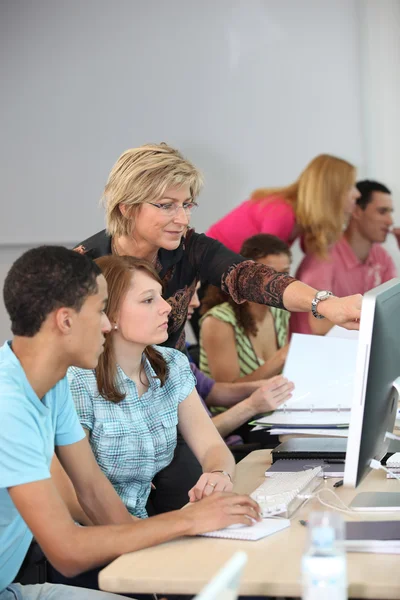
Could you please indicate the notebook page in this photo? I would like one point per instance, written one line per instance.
(253, 533)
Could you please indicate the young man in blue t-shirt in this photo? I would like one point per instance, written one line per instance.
(55, 299)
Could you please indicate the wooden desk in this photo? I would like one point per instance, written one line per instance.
(186, 565)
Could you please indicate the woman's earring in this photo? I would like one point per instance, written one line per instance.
(115, 327)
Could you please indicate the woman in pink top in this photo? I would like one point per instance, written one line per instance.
(315, 206)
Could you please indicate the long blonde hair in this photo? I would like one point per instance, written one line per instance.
(142, 175)
(318, 198)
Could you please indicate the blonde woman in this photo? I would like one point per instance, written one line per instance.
(316, 207)
(149, 198)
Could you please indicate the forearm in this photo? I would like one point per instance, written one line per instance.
(228, 394)
(269, 369)
(319, 326)
(67, 493)
(76, 511)
(103, 505)
(85, 548)
(298, 296)
(257, 283)
(233, 418)
(218, 458)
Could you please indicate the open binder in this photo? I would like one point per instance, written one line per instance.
(306, 419)
(322, 369)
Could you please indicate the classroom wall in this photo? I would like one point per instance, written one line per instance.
(250, 91)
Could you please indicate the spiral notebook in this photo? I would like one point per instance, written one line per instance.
(250, 532)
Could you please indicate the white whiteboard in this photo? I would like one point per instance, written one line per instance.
(250, 90)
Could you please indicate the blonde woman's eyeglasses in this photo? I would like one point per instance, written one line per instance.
(170, 209)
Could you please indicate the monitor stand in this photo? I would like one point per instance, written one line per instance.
(380, 501)
(376, 502)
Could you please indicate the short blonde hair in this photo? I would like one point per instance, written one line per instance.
(142, 175)
(318, 198)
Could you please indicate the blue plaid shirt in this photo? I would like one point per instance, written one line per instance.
(136, 438)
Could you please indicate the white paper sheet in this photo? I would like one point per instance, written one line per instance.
(322, 369)
(341, 332)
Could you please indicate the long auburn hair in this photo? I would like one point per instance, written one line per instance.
(254, 248)
(318, 200)
(118, 271)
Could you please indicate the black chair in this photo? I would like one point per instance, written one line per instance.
(240, 451)
(34, 568)
(173, 483)
(194, 352)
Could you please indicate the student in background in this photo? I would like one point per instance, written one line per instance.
(245, 342)
(242, 400)
(315, 207)
(149, 197)
(55, 299)
(357, 262)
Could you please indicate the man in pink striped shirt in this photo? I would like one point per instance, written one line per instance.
(357, 262)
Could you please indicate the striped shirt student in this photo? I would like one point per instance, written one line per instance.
(247, 357)
(135, 438)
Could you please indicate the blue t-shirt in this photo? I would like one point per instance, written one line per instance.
(29, 430)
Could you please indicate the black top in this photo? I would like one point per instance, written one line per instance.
(200, 258)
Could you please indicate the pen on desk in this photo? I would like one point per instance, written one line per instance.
(338, 483)
(303, 522)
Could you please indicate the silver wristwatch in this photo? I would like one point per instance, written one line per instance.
(319, 297)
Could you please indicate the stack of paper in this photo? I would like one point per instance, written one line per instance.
(327, 419)
(373, 536)
(374, 546)
(342, 432)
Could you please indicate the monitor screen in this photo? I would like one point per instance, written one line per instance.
(375, 397)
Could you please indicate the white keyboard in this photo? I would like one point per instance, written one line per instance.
(282, 493)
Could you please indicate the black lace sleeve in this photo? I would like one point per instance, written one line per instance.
(256, 283)
(241, 278)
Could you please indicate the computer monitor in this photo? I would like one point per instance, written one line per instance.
(376, 389)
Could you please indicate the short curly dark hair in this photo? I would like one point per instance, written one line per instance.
(43, 279)
(366, 189)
